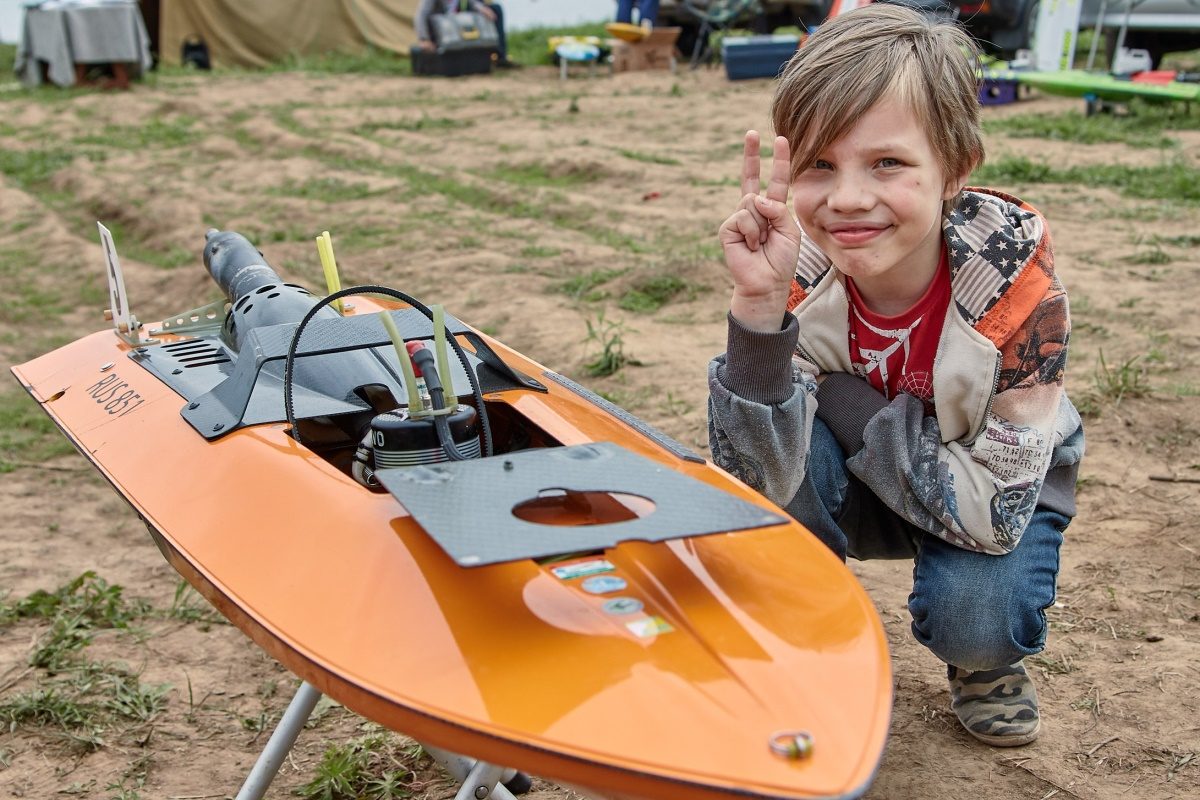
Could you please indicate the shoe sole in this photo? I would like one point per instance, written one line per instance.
(1007, 741)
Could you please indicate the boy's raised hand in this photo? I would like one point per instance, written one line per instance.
(761, 240)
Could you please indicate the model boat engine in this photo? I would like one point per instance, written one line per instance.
(433, 427)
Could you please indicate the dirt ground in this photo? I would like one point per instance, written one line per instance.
(505, 198)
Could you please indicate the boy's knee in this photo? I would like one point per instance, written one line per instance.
(977, 629)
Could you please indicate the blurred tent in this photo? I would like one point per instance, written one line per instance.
(263, 32)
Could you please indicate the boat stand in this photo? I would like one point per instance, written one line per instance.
(478, 780)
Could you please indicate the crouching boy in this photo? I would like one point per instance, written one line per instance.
(894, 367)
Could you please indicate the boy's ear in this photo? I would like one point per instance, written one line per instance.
(954, 185)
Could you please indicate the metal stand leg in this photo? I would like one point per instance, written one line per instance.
(280, 743)
(480, 780)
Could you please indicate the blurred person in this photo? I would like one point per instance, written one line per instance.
(647, 12)
(490, 10)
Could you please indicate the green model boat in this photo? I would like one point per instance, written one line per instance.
(1076, 83)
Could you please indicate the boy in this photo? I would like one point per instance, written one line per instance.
(894, 369)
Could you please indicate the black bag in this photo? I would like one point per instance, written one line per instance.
(464, 43)
(194, 53)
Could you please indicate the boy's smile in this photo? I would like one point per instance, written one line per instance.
(872, 202)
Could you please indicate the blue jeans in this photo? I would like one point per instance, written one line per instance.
(647, 10)
(502, 40)
(973, 610)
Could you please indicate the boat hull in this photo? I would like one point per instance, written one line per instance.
(720, 642)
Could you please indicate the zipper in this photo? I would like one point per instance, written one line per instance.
(992, 395)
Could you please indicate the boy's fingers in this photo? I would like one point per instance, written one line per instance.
(750, 163)
(770, 210)
(777, 215)
(781, 170)
(741, 227)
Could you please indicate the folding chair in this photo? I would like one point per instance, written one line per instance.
(716, 16)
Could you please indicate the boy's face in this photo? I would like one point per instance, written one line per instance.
(872, 202)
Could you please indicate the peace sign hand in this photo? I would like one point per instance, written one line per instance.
(761, 240)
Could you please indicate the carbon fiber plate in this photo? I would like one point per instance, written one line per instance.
(467, 506)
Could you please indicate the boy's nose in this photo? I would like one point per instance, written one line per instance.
(849, 193)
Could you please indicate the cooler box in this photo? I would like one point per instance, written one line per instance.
(465, 44)
(757, 56)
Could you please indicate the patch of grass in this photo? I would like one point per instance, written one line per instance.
(724, 181)
(84, 707)
(371, 61)
(53, 707)
(285, 116)
(1185, 240)
(130, 246)
(27, 435)
(647, 296)
(582, 287)
(424, 123)
(1142, 130)
(327, 190)
(537, 174)
(609, 336)
(133, 700)
(75, 611)
(8, 57)
(545, 207)
(189, 606)
(1120, 381)
(31, 297)
(1177, 180)
(1154, 255)
(155, 133)
(537, 251)
(649, 158)
(29, 168)
(374, 767)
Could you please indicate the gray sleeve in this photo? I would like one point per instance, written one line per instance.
(760, 410)
(421, 19)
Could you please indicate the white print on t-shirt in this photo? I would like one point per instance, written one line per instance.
(877, 359)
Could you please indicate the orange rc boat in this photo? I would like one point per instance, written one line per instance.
(464, 546)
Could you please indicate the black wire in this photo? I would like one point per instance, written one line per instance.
(289, 364)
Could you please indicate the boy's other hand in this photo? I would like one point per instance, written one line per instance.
(761, 240)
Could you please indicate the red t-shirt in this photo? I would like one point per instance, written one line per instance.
(895, 354)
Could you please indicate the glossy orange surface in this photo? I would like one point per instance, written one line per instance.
(739, 635)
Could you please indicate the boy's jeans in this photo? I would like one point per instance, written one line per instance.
(973, 610)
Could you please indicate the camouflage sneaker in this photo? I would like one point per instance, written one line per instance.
(997, 706)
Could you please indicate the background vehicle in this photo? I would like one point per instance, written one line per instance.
(1158, 26)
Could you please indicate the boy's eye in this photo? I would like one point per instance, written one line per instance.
(888, 163)
(821, 164)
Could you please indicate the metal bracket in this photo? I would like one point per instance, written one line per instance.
(205, 319)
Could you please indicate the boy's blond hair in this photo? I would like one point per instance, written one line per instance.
(857, 58)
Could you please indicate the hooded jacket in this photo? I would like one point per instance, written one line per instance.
(1003, 438)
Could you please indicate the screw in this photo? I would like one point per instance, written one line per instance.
(217, 427)
(481, 792)
(193, 406)
(176, 371)
(508, 466)
(106, 366)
